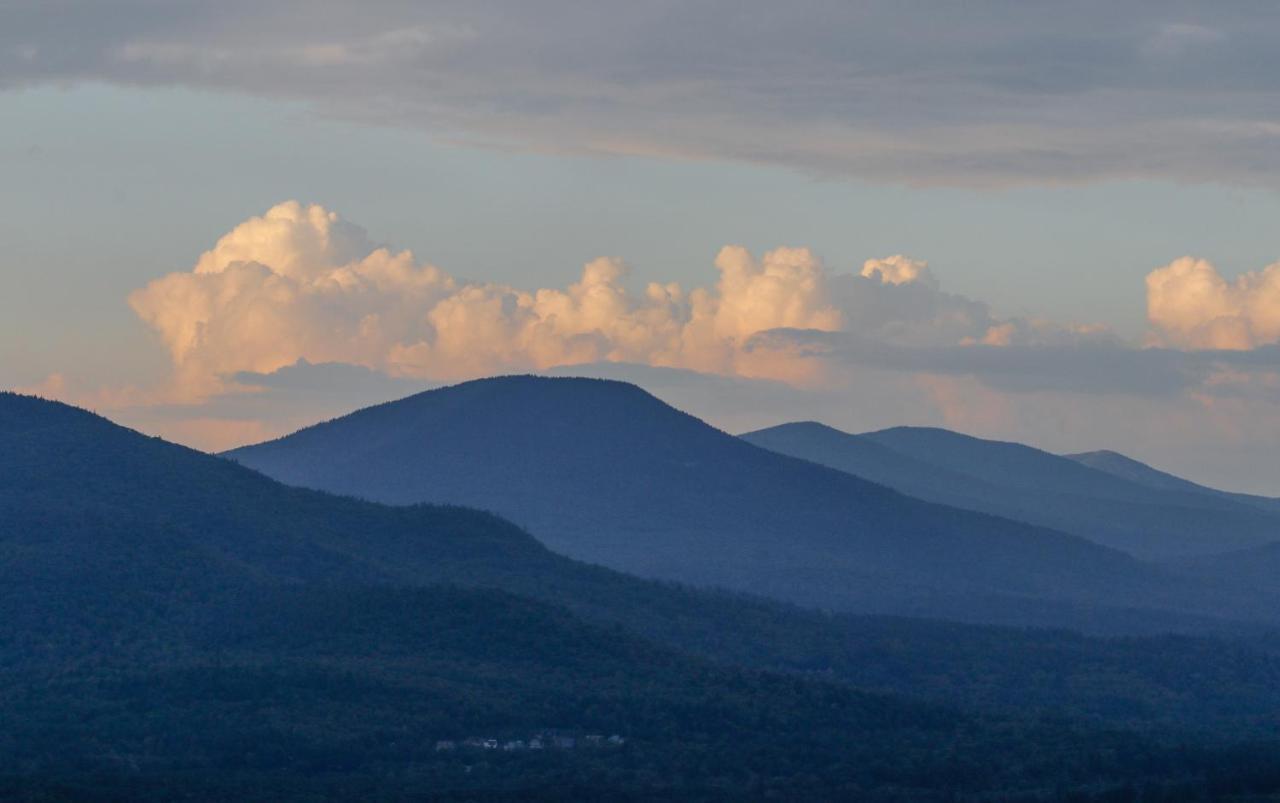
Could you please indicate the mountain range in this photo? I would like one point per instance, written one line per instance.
(1103, 497)
(604, 472)
(172, 621)
(1135, 471)
(175, 625)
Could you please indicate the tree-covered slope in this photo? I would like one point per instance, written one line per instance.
(1257, 567)
(173, 625)
(349, 688)
(94, 515)
(324, 693)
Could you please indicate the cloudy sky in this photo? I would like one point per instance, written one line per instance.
(1054, 223)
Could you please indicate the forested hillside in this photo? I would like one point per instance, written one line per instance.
(158, 641)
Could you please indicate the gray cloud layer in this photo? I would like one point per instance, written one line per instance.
(981, 93)
(1101, 366)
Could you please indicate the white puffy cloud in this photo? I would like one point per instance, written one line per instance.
(301, 283)
(286, 304)
(296, 282)
(1191, 305)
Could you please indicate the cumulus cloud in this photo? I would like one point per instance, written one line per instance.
(1191, 305)
(301, 283)
(899, 269)
(991, 92)
(898, 300)
(297, 314)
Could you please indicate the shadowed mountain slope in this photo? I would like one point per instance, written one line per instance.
(1256, 567)
(1027, 484)
(604, 472)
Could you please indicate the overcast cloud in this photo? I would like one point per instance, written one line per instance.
(985, 93)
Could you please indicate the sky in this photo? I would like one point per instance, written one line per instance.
(1039, 222)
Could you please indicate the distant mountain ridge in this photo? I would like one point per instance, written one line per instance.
(604, 472)
(1028, 484)
(1139, 472)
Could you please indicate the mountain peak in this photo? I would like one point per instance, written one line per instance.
(921, 434)
(24, 409)
(1129, 469)
(544, 384)
(1101, 455)
(798, 427)
(40, 422)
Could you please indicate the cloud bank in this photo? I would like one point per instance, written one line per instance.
(991, 92)
(300, 283)
(298, 315)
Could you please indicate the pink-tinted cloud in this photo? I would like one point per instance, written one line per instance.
(1191, 305)
(300, 283)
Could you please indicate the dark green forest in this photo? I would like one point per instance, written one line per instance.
(174, 626)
